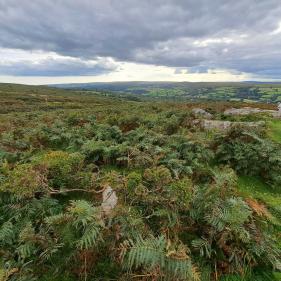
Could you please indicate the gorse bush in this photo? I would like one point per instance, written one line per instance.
(125, 190)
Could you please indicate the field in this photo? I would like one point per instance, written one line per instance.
(99, 185)
(184, 91)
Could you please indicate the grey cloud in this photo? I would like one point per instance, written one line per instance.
(56, 67)
(160, 32)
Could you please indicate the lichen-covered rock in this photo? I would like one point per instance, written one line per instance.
(109, 200)
(251, 110)
(224, 125)
(201, 112)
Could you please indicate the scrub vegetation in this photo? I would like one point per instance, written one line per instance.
(189, 204)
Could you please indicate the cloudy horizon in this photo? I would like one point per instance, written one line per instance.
(68, 41)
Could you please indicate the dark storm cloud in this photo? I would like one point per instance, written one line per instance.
(166, 32)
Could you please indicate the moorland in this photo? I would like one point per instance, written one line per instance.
(96, 185)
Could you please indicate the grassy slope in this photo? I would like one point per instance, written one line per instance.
(250, 187)
(256, 189)
(275, 130)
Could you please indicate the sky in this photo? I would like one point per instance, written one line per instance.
(69, 41)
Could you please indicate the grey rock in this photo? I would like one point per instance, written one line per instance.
(224, 125)
(201, 112)
(251, 110)
(109, 200)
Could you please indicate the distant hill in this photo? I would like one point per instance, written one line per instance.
(121, 86)
(29, 89)
(126, 86)
(229, 91)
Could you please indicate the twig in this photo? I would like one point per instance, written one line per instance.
(53, 191)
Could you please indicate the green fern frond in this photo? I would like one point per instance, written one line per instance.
(203, 246)
(57, 219)
(7, 233)
(82, 211)
(90, 237)
(26, 250)
(153, 253)
(50, 251)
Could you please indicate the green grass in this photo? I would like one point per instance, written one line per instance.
(277, 276)
(275, 130)
(256, 276)
(252, 187)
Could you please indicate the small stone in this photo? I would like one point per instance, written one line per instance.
(109, 199)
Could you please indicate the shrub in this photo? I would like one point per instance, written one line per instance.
(23, 181)
(172, 125)
(61, 168)
(157, 177)
(249, 154)
(229, 228)
(133, 180)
